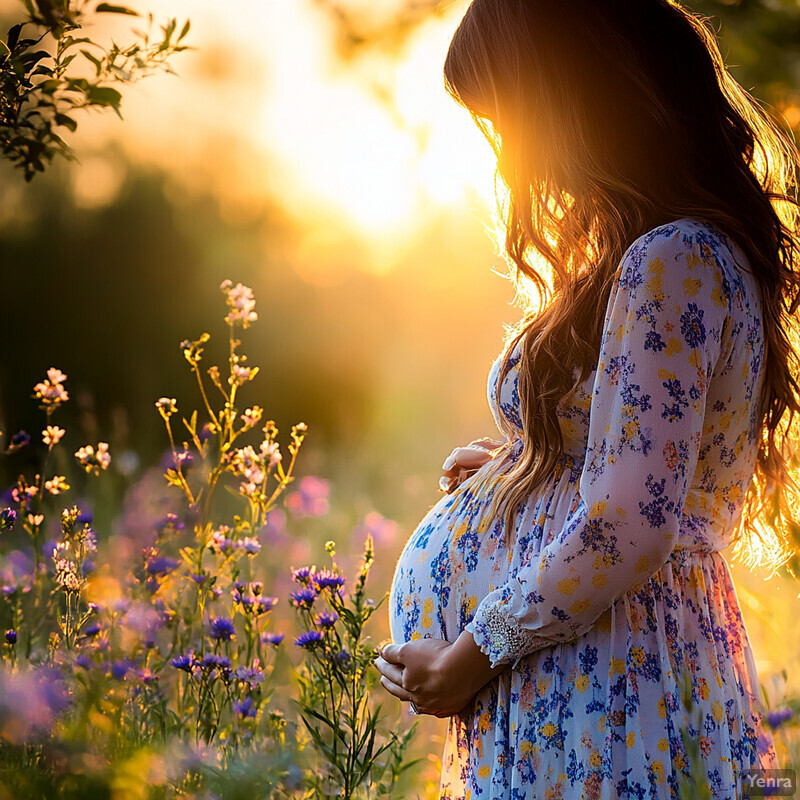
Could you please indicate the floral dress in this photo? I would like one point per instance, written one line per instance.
(615, 585)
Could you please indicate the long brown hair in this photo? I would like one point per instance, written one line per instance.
(609, 118)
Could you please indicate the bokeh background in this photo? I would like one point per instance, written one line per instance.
(308, 149)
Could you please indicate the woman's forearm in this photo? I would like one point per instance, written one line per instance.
(465, 663)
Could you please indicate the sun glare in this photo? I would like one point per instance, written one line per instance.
(371, 149)
(378, 139)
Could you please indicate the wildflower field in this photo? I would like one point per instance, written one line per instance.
(156, 664)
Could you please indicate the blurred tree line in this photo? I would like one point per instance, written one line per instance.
(761, 44)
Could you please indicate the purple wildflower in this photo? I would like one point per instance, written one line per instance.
(776, 718)
(245, 708)
(84, 662)
(20, 439)
(309, 639)
(271, 638)
(326, 620)
(173, 461)
(11, 636)
(30, 701)
(325, 579)
(205, 433)
(214, 660)
(301, 575)
(169, 522)
(250, 545)
(222, 629)
(146, 676)
(92, 630)
(304, 598)
(252, 676)
(246, 601)
(266, 604)
(160, 565)
(7, 519)
(119, 669)
(256, 587)
(183, 662)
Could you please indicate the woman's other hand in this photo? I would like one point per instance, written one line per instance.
(466, 461)
(418, 671)
(440, 678)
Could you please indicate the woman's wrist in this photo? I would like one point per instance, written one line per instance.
(466, 664)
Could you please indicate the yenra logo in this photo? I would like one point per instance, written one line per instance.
(771, 782)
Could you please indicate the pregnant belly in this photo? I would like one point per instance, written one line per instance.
(456, 555)
(449, 563)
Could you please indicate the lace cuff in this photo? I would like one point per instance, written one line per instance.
(500, 636)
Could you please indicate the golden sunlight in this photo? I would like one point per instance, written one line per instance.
(367, 146)
(378, 137)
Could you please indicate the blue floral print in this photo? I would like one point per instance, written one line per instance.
(615, 583)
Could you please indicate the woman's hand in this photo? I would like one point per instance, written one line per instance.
(440, 678)
(466, 461)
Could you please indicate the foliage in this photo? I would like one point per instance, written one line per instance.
(336, 682)
(761, 43)
(164, 672)
(42, 84)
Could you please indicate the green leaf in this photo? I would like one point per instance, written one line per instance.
(67, 122)
(13, 36)
(111, 9)
(70, 41)
(98, 64)
(185, 29)
(49, 86)
(332, 724)
(29, 59)
(78, 85)
(103, 96)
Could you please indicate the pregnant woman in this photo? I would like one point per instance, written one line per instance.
(551, 601)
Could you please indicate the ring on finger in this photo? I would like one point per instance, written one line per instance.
(412, 707)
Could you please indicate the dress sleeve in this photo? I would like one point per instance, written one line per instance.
(660, 344)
